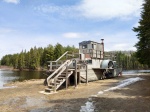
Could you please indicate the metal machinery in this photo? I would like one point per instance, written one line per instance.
(100, 65)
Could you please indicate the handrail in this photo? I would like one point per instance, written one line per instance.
(59, 57)
(95, 53)
(57, 70)
(62, 56)
(63, 69)
(51, 62)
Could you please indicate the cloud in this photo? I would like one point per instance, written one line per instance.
(97, 9)
(124, 40)
(63, 11)
(107, 9)
(114, 41)
(73, 35)
(12, 1)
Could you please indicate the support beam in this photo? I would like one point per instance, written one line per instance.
(79, 75)
(54, 84)
(50, 66)
(66, 76)
(75, 77)
(86, 74)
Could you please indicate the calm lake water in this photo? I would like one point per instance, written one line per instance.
(133, 72)
(7, 76)
(10, 76)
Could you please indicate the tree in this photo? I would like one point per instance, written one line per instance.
(15, 60)
(143, 34)
(21, 62)
(49, 53)
(58, 51)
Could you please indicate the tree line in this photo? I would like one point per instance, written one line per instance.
(129, 61)
(35, 58)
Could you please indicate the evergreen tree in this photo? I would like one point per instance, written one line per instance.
(50, 53)
(15, 60)
(143, 34)
(32, 64)
(58, 51)
(21, 62)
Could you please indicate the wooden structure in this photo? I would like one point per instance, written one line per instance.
(89, 65)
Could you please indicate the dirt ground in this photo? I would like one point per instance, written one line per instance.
(25, 97)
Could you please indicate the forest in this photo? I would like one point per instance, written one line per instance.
(37, 58)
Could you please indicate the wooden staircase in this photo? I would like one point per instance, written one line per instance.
(60, 72)
(55, 84)
(59, 76)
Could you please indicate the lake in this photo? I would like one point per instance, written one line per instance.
(7, 76)
(134, 72)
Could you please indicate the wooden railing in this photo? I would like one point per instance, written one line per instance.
(56, 71)
(109, 55)
(56, 62)
(91, 53)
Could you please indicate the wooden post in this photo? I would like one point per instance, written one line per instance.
(67, 56)
(50, 66)
(54, 84)
(79, 75)
(56, 65)
(66, 76)
(96, 54)
(75, 78)
(86, 74)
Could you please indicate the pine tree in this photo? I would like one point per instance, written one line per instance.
(143, 34)
(58, 51)
(21, 62)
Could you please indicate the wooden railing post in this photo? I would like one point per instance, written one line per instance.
(54, 84)
(75, 78)
(96, 54)
(86, 74)
(51, 66)
(66, 76)
(79, 74)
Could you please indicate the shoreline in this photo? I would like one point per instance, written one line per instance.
(26, 96)
(11, 68)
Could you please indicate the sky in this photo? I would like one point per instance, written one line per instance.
(28, 23)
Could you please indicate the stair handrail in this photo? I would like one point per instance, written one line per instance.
(57, 70)
(51, 62)
(62, 56)
(67, 64)
(62, 70)
(55, 79)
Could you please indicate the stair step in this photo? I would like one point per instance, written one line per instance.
(64, 74)
(54, 84)
(48, 90)
(58, 80)
(71, 69)
(61, 77)
(50, 86)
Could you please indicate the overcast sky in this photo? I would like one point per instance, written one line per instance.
(28, 23)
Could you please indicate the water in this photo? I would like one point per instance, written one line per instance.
(7, 76)
(134, 72)
(89, 106)
(10, 76)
